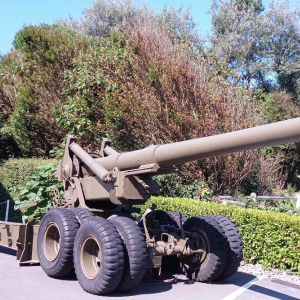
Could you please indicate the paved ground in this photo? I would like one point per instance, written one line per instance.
(25, 283)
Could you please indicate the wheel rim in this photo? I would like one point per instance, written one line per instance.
(51, 242)
(90, 257)
(201, 243)
(204, 246)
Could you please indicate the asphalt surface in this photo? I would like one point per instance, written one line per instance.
(30, 282)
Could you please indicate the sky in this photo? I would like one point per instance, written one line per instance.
(15, 13)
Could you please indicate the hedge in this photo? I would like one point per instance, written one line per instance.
(270, 238)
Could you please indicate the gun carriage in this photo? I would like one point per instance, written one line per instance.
(93, 229)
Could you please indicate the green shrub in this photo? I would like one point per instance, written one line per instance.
(270, 238)
(279, 106)
(173, 185)
(14, 173)
(31, 83)
(35, 198)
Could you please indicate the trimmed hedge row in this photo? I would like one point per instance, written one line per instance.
(270, 238)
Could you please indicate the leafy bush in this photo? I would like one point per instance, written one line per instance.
(277, 107)
(14, 173)
(31, 82)
(172, 185)
(35, 197)
(270, 238)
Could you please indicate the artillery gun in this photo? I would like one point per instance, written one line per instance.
(93, 231)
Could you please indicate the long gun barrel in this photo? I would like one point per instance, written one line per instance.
(195, 149)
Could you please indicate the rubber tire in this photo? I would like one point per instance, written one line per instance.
(135, 253)
(82, 214)
(169, 218)
(176, 217)
(217, 254)
(235, 244)
(68, 227)
(112, 264)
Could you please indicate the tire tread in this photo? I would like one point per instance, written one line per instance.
(235, 243)
(68, 226)
(135, 253)
(218, 253)
(112, 264)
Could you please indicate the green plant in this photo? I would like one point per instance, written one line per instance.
(31, 79)
(173, 185)
(14, 173)
(35, 196)
(283, 205)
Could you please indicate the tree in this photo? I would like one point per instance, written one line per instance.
(256, 4)
(31, 82)
(103, 17)
(234, 35)
(263, 47)
(279, 48)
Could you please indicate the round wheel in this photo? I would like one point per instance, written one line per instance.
(235, 244)
(135, 253)
(82, 214)
(55, 242)
(98, 256)
(170, 218)
(207, 237)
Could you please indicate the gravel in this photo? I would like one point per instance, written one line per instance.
(259, 270)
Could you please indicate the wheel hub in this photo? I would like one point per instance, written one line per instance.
(51, 242)
(90, 257)
(199, 244)
(204, 246)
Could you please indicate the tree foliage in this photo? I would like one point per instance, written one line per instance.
(31, 80)
(263, 47)
(103, 17)
(256, 4)
(235, 34)
(280, 48)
